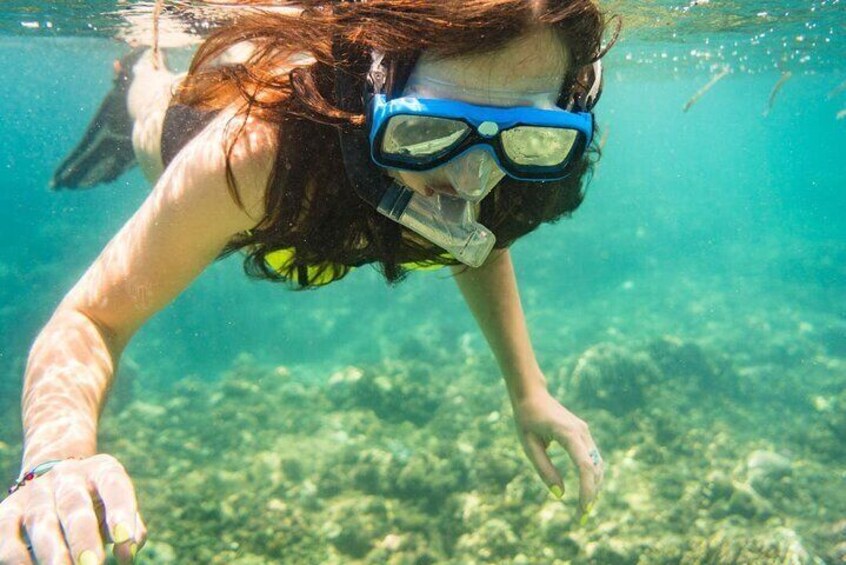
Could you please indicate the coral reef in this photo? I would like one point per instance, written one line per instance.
(408, 462)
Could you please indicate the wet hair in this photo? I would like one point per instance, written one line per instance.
(311, 208)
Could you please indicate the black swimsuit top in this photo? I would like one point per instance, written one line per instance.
(181, 124)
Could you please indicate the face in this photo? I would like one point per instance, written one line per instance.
(526, 72)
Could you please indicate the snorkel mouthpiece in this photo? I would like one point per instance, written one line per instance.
(446, 221)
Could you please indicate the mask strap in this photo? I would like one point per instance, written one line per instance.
(388, 76)
(596, 88)
(576, 96)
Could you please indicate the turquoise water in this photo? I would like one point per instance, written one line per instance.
(720, 226)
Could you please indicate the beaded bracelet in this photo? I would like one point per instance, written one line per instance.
(36, 471)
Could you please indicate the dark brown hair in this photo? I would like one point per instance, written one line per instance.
(330, 229)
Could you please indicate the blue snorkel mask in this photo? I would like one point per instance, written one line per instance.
(527, 143)
(410, 133)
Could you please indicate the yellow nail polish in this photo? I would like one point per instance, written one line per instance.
(133, 549)
(121, 533)
(556, 491)
(87, 557)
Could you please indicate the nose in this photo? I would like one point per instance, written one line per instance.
(443, 188)
(474, 174)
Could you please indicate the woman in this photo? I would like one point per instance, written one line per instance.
(404, 133)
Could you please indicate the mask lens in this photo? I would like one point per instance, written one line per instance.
(538, 146)
(421, 136)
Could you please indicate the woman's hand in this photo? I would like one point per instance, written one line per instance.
(541, 420)
(66, 515)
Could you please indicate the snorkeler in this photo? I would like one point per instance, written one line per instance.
(400, 133)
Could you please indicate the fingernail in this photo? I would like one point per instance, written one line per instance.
(87, 557)
(556, 491)
(133, 549)
(589, 507)
(584, 519)
(121, 533)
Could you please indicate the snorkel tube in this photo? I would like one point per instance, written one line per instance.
(446, 221)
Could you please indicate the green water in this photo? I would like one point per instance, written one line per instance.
(701, 283)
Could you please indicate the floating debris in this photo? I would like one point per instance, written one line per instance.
(841, 114)
(837, 90)
(785, 76)
(604, 139)
(701, 92)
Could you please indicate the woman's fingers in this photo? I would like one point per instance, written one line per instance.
(13, 550)
(584, 454)
(541, 419)
(68, 515)
(78, 519)
(536, 452)
(125, 553)
(112, 485)
(598, 464)
(42, 526)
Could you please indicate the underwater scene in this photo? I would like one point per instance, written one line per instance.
(692, 311)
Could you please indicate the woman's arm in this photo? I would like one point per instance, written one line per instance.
(177, 232)
(492, 296)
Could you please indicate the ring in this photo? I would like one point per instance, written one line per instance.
(595, 457)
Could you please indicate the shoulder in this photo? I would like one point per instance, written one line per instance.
(235, 147)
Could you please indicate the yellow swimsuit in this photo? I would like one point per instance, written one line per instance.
(280, 261)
